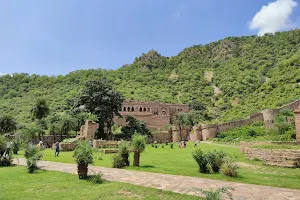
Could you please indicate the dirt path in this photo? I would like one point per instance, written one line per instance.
(178, 184)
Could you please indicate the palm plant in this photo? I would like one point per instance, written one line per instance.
(124, 152)
(84, 156)
(7, 124)
(138, 146)
(39, 111)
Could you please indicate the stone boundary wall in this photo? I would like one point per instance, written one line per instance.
(294, 105)
(234, 124)
(267, 116)
(66, 146)
(105, 144)
(276, 157)
(163, 136)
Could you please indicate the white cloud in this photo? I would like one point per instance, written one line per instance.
(3, 74)
(273, 17)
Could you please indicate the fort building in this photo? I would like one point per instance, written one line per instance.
(157, 115)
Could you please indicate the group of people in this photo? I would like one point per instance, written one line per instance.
(40, 145)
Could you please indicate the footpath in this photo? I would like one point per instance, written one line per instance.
(179, 184)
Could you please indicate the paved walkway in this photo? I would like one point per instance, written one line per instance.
(178, 184)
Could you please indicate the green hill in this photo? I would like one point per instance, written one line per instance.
(233, 78)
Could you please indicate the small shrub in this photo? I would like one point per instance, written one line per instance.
(32, 154)
(100, 157)
(216, 195)
(162, 146)
(251, 133)
(167, 143)
(172, 145)
(229, 168)
(209, 162)
(118, 161)
(152, 145)
(5, 161)
(156, 146)
(97, 178)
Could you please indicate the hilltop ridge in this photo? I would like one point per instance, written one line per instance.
(246, 75)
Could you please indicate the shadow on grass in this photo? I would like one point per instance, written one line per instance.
(147, 166)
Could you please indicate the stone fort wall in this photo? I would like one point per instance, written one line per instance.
(204, 132)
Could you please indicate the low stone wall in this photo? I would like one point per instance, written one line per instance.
(109, 151)
(277, 157)
(163, 136)
(105, 143)
(66, 146)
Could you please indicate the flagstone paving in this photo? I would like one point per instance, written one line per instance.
(179, 184)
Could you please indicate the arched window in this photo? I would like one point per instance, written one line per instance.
(128, 109)
(132, 109)
(124, 109)
(144, 109)
(141, 109)
(164, 112)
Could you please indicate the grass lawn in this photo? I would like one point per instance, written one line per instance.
(180, 162)
(16, 183)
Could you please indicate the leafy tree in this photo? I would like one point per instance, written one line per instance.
(101, 99)
(138, 146)
(182, 119)
(7, 124)
(134, 126)
(84, 156)
(66, 124)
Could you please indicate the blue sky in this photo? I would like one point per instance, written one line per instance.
(59, 36)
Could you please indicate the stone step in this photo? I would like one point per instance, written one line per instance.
(280, 164)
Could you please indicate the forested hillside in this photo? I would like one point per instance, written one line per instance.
(233, 78)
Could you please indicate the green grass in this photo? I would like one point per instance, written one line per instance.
(277, 146)
(16, 183)
(179, 161)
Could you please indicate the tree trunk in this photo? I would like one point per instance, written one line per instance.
(180, 132)
(125, 159)
(136, 160)
(82, 170)
(61, 137)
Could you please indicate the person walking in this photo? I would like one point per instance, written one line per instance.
(56, 149)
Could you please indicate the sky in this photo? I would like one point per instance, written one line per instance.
(52, 37)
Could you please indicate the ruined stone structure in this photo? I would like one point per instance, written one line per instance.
(277, 157)
(204, 132)
(88, 130)
(156, 115)
(297, 122)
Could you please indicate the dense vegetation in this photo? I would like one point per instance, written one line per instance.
(232, 78)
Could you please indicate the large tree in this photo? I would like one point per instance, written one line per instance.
(7, 124)
(39, 111)
(134, 126)
(182, 119)
(101, 99)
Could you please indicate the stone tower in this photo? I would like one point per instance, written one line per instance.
(297, 122)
